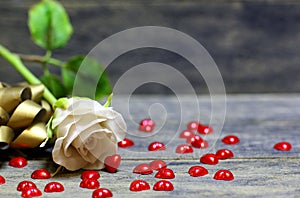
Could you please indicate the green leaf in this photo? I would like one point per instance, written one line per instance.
(53, 83)
(49, 24)
(87, 72)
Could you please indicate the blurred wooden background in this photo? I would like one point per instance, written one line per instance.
(255, 44)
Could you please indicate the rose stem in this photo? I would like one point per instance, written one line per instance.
(15, 61)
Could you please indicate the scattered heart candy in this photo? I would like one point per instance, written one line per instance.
(112, 163)
(54, 187)
(24, 185)
(90, 184)
(197, 171)
(223, 175)
(90, 174)
(139, 185)
(157, 164)
(283, 146)
(2, 180)
(204, 129)
(184, 148)
(143, 169)
(193, 125)
(102, 193)
(147, 125)
(163, 185)
(31, 192)
(230, 139)
(18, 162)
(186, 134)
(224, 154)
(156, 146)
(209, 158)
(41, 174)
(197, 142)
(165, 173)
(125, 143)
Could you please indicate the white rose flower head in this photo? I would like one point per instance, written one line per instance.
(86, 133)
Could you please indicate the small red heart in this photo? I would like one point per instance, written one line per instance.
(112, 163)
(186, 134)
(158, 164)
(223, 175)
(2, 180)
(231, 139)
(156, 146)
(163, 185)
(18, 162)
(31, 192)
(224, 154)
(209, 158)
(54, 187)
(90, 174)
(283, 146)
(204, 129)
(193, 125)
(90, 184)
(125, 143)
(197, 171)
(24, 185)
(102, 193)
(197, 142)
(165, 173)
(41, 174)
(139, 185)
(143, 169)
(147, 125)
(184, 148)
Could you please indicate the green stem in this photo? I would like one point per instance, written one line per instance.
(41, 59)
(21, 68)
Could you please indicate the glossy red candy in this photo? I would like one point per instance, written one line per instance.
(24, 185)
(2, 180)
(197, 142)
(31, 192)
(112, 163)
(193, 125)
(165, 173)
(224, 154)
(186, 134)
(209, 158)
(156, 146)
(41, 174)
(139, 185)
(147, 125)
(184, 148)
(197, 171)
(143, 169)
(283, 146)
(90, 174)
(54, 187)
(18, 162)
(102, 193)
(230, 139)
(204, 129)
(157, 164)
(90, 184)
(163, 185)
(125, 143)
(223, 175)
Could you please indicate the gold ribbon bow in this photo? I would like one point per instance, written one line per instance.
(23, 116)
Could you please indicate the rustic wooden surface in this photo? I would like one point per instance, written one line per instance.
(260, 171)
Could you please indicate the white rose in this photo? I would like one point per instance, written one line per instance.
(86, 133)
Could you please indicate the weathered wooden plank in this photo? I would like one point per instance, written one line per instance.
(253, 178)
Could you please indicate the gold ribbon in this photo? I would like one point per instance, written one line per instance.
(23, 116)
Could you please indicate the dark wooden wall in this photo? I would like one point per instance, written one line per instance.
(256, 44)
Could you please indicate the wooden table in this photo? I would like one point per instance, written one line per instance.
(259, 121)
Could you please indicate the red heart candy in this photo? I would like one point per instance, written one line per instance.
(31, 192)
(102, 193)
(112, 163)
(156, 146)
(157, 164)
(197, 171)
(147, 125)
(54, 187)
(283, 146)
(209, 158)
(143, 169)
(184, 148)
(231, 139)
(204, 129)
(90, 174)
(90, 184)
(41, 174)
(165, 173)
(163, 185)
(24, 185)
(2, 180)
(186, 134)
(223, 175)
(139, 185)
(18, 162)
(125, 143)
(224, 154)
